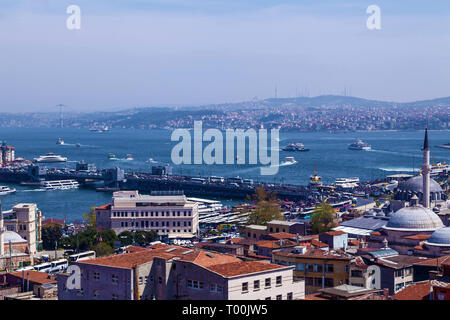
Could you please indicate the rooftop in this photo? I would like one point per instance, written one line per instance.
(35, 276)
(416, 291)
(398, 262)
(314, 253)
(243, 268)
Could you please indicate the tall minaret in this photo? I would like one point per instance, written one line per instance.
(426, 168)
(2, 231)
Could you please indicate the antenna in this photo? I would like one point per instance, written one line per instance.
(61, 118)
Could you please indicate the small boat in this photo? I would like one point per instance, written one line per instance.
(129, 157)
(6, 190)
(289, 160)
(78, 145)
(151, 160)
(444, 146)
(359, 145)
(60, 141)
(50, 157)
(112, 156)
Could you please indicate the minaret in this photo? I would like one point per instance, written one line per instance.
(2, 231)
(426, 168)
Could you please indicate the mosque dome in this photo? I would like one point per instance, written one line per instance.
(415, 185)
(13, 237)
(414, 218)
(441, 237)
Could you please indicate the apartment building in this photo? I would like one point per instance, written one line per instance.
(321, 268)
(168, 272)
(169, 214)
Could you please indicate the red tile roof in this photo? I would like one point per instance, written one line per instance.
(35, 276)
(318, 244)
(416, 291)
(282, 235)
(335, 233)
(104, 207)
(314, 253)
(243, 267)
(275, 244)
(434, 261)
(418, 237)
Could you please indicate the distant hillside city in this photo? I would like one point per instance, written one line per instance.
(322, 113)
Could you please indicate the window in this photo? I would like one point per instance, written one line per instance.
(329, 268)
(309, 267)
(115, 278)
(328, 283)
(279, 297)
(267, 282)
(256, 285)
(318, 268)
(300, 267)
(96, 276)
(309, 281)
(159, 280)
(96, 294)
(189, 283)
(279, 280)
(213, 287)
(318, 282)
(115, 296)
(289, 296)
(244, 286)
(268, 298)
(141, 280)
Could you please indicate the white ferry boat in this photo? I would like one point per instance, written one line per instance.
(340, 181)
(60, 184)
(50, 157)
(440, 167)
(359, 145)
(6, 190)
(60, 141)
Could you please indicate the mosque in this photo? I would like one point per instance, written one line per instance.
(20, 235)
(415, 228)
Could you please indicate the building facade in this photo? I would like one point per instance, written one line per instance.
(169, 215)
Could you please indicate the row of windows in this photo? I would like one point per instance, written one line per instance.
(289, 296)
(147, 224)
(213, 287)
(267, 284)
(319, 282)
(150, 213)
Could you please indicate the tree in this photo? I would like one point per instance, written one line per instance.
(322, 218)
(51, 234)
(103, 249)
(91, 219)
(140, 237)
(266, 208)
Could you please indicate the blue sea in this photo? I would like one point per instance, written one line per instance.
(392, 152)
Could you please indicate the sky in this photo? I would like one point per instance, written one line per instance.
(142, 53)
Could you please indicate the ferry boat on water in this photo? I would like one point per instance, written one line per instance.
(112, 156)
(50, 157)
(60, 184)
(129, 157)
(340, 181)
(298, 146)
(359, 145)
(440, 167)
(60, 141)
(444, 146)
(6, 190)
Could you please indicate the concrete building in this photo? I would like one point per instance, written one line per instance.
(169, 214)
(20, 235)
(168, 272)
(320, 268)
(7, 153)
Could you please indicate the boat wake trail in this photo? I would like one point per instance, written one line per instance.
(396, 153)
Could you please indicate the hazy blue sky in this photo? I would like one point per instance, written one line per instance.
(180, 52)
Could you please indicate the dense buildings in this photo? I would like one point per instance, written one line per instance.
(168, 214)
(172, 272)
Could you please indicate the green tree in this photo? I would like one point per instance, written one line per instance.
(322, 218)
(266, 208)
(51, 234)
(126, 238)
(91, 219)
(103, 249)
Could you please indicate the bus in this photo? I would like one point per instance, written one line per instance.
(82, 256)
(59, 265)
(25, 268)
(43, 267)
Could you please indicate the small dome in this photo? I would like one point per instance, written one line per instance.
(415, 184)
(441, 237)
(13, 237)
(415, 218)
